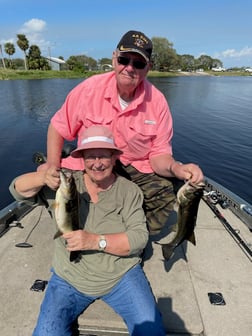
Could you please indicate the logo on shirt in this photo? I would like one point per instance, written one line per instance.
(150, 122)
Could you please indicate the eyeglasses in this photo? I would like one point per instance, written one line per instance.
(138, 64)
(102, 158)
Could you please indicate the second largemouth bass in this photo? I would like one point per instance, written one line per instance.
(188, 198)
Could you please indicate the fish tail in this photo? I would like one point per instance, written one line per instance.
(57, 234)
(192, 239)
(167, 249)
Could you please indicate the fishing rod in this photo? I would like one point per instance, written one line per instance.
(227, 199)
(244, 246)
(25, 243)
(11, 215)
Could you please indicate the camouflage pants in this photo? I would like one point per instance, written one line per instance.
(159, 194)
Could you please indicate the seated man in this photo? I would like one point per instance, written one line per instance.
(110, 238)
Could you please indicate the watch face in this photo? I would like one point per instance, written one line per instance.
(102, 243)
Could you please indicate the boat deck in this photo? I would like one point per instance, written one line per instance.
(181, 285)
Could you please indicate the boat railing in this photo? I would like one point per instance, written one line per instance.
(12, 214)
(227, 199)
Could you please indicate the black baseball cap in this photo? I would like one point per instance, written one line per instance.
(136, 41)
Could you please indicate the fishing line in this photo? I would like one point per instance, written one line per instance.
(234, 233)
(25, 244)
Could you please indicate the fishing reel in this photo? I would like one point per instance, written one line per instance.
(217, 198)
(39, 158)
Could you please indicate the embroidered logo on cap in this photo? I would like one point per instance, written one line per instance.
(140, 40)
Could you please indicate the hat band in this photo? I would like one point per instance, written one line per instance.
(97, 138)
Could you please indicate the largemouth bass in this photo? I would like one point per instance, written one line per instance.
(188, 198)
(67, 207)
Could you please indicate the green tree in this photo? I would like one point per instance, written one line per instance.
(165, 57)
(74, 64)
(35, 60)
(104, 64)
(205, 62)
(187, 62)
(81, 63)
(23, 44)
(216, 63)
(105, 60)
(18, 63)
(9, 48)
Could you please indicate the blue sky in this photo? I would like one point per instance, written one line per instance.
(221, 29)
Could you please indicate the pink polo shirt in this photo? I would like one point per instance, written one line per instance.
(142, 130)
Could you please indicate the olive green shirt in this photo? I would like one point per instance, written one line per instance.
(119, 209)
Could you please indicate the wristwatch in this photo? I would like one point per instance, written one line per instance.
(102, 243)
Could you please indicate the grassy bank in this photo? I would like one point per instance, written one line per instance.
(38, 74)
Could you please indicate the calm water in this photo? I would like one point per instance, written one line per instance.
(212, 125)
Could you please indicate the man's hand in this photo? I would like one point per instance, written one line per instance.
(51, 177)
(189, 172)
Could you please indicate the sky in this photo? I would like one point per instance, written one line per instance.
(218, 28)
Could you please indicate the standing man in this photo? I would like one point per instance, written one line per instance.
(140, 118)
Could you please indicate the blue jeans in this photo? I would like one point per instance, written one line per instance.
(131, 298)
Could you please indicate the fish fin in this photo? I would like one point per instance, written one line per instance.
(167, 250)
(55, 205)
(57, 234)
(75, 256)
(192, 238)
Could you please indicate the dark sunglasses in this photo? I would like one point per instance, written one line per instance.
(138, 64)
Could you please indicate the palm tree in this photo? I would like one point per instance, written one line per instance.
(9, 48)
(35, 60)
(23, 44)
(1, 52)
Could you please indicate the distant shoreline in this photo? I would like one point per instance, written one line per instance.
(39, 74)
(196, 73)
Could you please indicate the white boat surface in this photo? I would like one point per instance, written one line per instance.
(219, 263)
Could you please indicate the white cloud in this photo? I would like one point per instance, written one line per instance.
(235, 57)
(233, 53)
(33, 30)
(33, 26)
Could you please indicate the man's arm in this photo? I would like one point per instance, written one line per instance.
(166, 165)
(54, 147)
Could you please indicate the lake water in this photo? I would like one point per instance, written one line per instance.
(212, 125)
